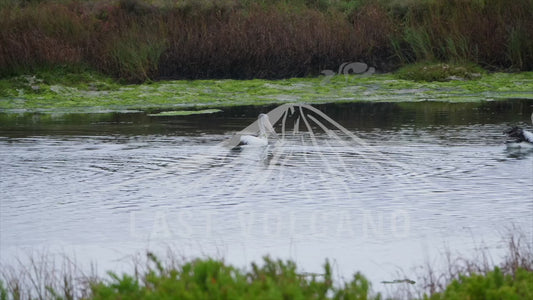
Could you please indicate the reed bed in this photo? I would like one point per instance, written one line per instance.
(139, 40)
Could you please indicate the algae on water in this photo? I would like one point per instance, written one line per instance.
(184, 94)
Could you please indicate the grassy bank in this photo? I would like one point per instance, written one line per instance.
(93, 93)
(137, 40)
(44, 278)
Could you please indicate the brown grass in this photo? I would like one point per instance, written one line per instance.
(136, 40)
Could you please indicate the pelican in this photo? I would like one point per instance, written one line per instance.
(521, 138)
(265, 128)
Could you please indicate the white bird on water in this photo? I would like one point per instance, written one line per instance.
(265, 128)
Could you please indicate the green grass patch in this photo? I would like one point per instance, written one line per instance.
(212, 279)
(39, 82)
(92, 92)
(492, 285)
(440, 72)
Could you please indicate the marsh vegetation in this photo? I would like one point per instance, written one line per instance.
(47, 277)
(137, 40)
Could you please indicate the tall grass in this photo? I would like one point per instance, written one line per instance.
(265, 41)
(45, 276)
(476, 277)
(493, 33)
(131, 47)
(40, 35)
(138, 40)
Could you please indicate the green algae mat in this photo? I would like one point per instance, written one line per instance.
(32, 94)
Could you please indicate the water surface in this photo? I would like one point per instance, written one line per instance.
(423, 177)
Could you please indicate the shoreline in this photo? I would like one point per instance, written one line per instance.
(31, 94)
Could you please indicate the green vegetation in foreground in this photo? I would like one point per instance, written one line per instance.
(212, 279)
(184, 112)
(275, 279)
(94, 93)
(493, 285)
(42, 278)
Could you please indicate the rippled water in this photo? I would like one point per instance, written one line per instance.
(421, 177)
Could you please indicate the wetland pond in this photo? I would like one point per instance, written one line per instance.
(401, 183)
